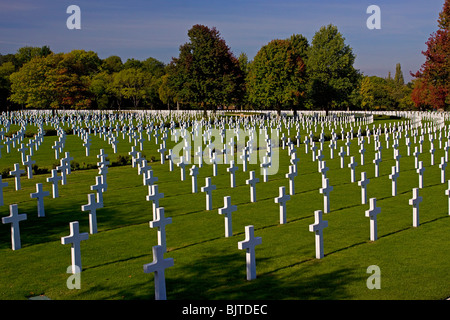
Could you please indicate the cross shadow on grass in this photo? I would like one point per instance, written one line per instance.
(224, 278)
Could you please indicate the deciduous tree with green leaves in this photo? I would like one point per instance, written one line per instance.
(277, 75)
(332, 77)
(206, 74)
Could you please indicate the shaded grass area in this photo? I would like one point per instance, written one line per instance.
(209, 266)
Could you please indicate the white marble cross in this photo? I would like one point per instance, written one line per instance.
(393, 176)
(2, 185)
(294, 160)
(252, 182)
(161, 223)
(244, 157)
(67, 159)
(420, 170)
(14, 218)
(199, 154)
(63, 168)
(397, 157)
(182, 166)
(194, 173)
(352, 165)
(447, 192)
(158, 266)
(342, 155)
(39, 195)
(92, 207)
(227, 210)
(75, 238)
(29, 164)
(432, 150)
(323, 169)
(154, 197)
(22, 151)
(363, 184)
(100, 187)
(232, 170)
(170, 158)
(208, 188)
(442, 166)
(362, 151)
(372, 214)
(291, 175)
(313, 149)
(317, 228)
(162, 150)
(87, 145)
(282, 199)
(416, 154)
(325, 190)
(377, 161)
(16, 173)
(54, 180)
(143, 167)
(416, 199)
(103, 170)
(264, 167)
(249, 245)
(133, 153)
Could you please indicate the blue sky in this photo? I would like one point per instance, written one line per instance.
(140, 29)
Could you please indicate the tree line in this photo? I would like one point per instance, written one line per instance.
(285, 74)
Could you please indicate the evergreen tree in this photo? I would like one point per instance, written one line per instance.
(398, 78)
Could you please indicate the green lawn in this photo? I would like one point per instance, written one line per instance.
(413, 261)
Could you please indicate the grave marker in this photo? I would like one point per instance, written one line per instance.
(161, 223)
(363, 184)
(249, 245)
(16, 173)
(208, 188)
(317, 228)
(325, 190)
(393, 176)
(154, 197)
(252, 182)
(416, 199)
(291, 175)
(2, 185)
(194, 173)
(282, 199)
(39, 195)
(158, 266)
(14, 218)
(227, 210)
(420, 170)
(352, 165)
(372, 214)
(232, 170)
(54, 180)
(75, 238)
(92, 207)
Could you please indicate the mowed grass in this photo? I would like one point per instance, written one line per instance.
(412, 261)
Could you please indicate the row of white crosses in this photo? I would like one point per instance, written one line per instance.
(228, 209)
(14, 217)
(95, 201)
(159, 222)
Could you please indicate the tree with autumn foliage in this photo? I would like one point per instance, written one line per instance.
(56, 80)
(432, 86)
(206, 74)
(277, 75)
